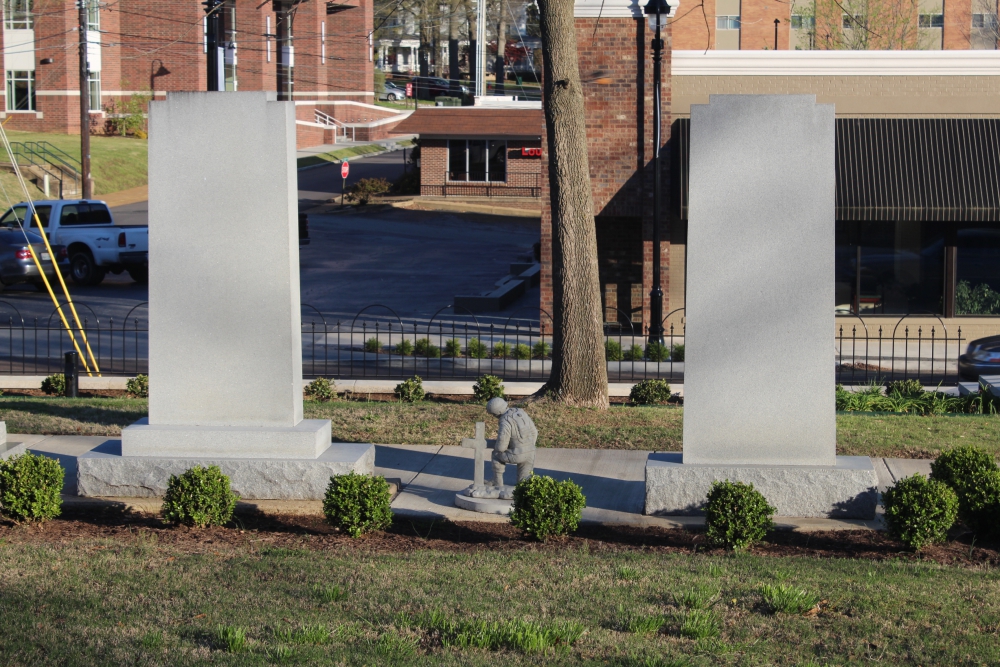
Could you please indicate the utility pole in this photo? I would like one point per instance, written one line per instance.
(286, 52)
(86, 185)
(213, 10)
(480, 48)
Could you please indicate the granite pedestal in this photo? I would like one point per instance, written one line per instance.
(9, 449)
(759, 307)
(225, 335)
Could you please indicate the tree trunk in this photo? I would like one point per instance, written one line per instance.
(579, 370)
(470, 14)
(498, 89)
(453, 73)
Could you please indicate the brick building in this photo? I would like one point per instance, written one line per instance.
(826, 24)
(144, 47)
(491, 152)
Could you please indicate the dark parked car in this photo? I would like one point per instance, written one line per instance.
(16, 265)
(393, 92)
(981, 358)
(429, 87)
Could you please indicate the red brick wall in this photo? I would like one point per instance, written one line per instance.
(154, 45)
(523, 173)
(620, 150)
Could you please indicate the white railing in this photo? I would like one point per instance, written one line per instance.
(326, 119)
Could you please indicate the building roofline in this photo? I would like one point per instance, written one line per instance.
(835, 63)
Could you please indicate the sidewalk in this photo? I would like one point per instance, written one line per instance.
(428, 477)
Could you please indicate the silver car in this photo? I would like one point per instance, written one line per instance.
(392, 92)
(16, 265)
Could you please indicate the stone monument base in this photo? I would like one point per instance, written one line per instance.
(306, 440)
(104, 472)
(9, 450)
(847, 490)
(483, 505)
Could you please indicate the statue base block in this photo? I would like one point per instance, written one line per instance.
(484, 505)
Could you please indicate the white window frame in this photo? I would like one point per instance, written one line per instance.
(727, 22)
(94, 82)
(10, 77)
(26, 15)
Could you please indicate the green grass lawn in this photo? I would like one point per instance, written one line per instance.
(118, 163)
(440, 423)
(133, 599)
(339, 154)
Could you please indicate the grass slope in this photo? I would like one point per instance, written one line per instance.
(432, 423)
(133, 601)
(118, 163)
(339, 154)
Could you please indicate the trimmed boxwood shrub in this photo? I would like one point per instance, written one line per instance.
(612, 350)
(54, 385)
(982, 505)
(30, 488)
(199, 497)
(424, 348)
(138, 387)
(356, 503)
(737, 515)
(476, 349)
(971, 473)
(411, 390)
(487, 387)
(657, 352)
(321, 389)
(919, 511)
(634, 353)
(649, 392)
(544, 507)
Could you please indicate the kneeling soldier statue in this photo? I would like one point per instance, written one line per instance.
(514, 444)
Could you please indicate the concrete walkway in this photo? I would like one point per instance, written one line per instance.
(429, 476)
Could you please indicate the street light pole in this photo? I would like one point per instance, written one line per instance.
(86, 185)
(657, 11)
(212, 38)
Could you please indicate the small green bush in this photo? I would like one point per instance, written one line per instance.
(982, 505)
(737, 515)
(919, 511)
(958, 467)
(373, 345)
(356, 504)
(657, 352)
(905, 388)
(487, 387)
(634, 353)
(30, 488)
(541, 350)
(404, 348)
(649, 392)
(138, 387)
(366, 188)
(54, 385)
(453, 348)
(612, 350)
(477, 349)
(544, 507)
(199, 497)
(321, 389)
(411, 390)
(969, 471)
(521, 352)
(501, 351)
(677, 352)
(425, 349)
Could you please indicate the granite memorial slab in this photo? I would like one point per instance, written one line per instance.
(759, 375)
(225, 358)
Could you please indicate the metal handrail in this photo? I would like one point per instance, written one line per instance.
(47, 149)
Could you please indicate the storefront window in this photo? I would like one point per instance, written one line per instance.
(477, 160)
(889, 268)
(977, 288)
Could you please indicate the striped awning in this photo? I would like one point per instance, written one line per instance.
(935, 169)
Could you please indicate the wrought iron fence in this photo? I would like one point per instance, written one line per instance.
(377, 343)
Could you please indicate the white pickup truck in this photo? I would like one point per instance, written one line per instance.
(96, 244)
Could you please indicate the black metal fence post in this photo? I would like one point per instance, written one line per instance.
(71, 373)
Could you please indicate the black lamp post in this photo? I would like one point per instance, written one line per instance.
(657, 12)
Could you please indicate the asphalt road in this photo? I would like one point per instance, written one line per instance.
(411, 261)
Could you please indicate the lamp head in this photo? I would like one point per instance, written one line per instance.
(658, 11)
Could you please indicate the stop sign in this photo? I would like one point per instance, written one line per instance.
(345, 169)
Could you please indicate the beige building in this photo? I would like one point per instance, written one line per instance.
(918, 176)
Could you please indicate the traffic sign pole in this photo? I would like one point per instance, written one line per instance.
(345, 169)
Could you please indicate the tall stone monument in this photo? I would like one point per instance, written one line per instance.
(759, 369)
(225, 358)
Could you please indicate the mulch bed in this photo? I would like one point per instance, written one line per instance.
(263, 531)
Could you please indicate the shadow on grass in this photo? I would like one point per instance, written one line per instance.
(86, 413)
